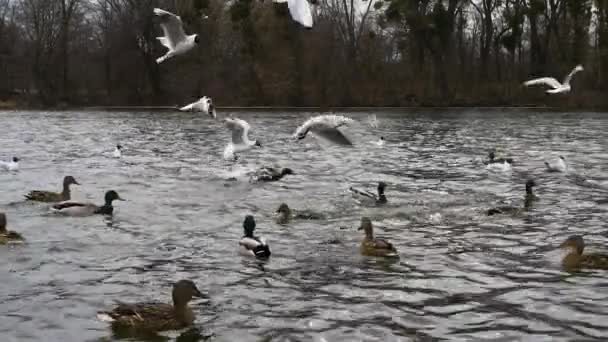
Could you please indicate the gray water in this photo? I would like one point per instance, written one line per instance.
(461, 276)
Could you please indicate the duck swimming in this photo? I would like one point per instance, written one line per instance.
(528, 201)
(270, 174)
(251, 245)
(72, 208)
(575, 259)
(49, 196)
(7, 236)
(156, 316)
(493, 160)
(368, 196)
(557, 166)
(12, 165)
(371, 246)
(286, 214)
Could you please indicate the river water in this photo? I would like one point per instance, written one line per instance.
(461, 276)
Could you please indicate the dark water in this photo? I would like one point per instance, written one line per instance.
(462, 276)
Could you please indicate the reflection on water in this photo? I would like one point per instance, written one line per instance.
(461, 275)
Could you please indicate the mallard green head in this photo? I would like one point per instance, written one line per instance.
(112, 196)
(69, 180)
(249, 225)
(184, 291)
(381, 187)
(366, 225)
(491, 155)
(284, 209)
(2, 222)
(529, 185)
(575, 242)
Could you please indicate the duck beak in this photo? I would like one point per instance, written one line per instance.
(76, 183)
(121, 199)
(360, 228)
(199, 294)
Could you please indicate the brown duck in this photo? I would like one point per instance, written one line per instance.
(575, 259)
(49, 196)
(371, 246)
(7, 236)
(285, 214)
(156, 316)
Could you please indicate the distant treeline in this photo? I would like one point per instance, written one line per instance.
(359, 53)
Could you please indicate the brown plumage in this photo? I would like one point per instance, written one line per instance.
(286, 214)
(7, 236)
(371, 246)
(156, 316)
(575, 259)
(49, 196)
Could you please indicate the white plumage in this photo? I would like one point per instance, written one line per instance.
(204, 104)
(558, 165)
(240, 140)
(556, 87)
(325, 126)
(174, 39)
(300, 11)
(117, 151)
(12, 165)
(249, 246)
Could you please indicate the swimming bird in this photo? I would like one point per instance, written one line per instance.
(270, 174)
(12, 165)
(251, 245)
(325, 126)
(528, 201)
(72, 208)
(368, 196)
(153, 316)
(380, 142)
(174, 39)
(558, 165)
(204, 104)
(493, 160)
(300, 11)
(286, 214)
(556, 87)
(7, 236)
(575, 259)
(117, 151)
(49, 196)
(371, 246)
(240, 140)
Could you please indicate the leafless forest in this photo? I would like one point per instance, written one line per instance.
(359, 53)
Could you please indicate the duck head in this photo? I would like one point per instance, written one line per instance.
(119, 147)
(529, 185)
(575, 243)
(286, 171)
(491, 155)
(69, 180)
(366, 226)
(2, 222)
(381, 187)
(257, 143)
(249, 225)
(284, 209)
(184, 291)
(112, 196)
(15, 160)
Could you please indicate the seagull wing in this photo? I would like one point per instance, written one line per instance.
(322, 122)
(300, 12)
(189, 107)
(172, 27)
(332, 134)
(239, 128)
(550, 81)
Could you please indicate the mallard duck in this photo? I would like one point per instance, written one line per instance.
(529, 199)
(557, 166)
(7, 236)
(371, 246)
(72, 208)
(12, 165)
(156, 316)
(48, 196)
(270, 174)
(368, 196)
(575, 259)
(251, 245)
(493, 160)
(286, 214)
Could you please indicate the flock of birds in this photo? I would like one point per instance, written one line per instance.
(158, 316)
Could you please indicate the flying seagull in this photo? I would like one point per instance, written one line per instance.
(174, 39)
(204, 104)
(556, 87)
(325, 126)
(240, 140)
(300, 11)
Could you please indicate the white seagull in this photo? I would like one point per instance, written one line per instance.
(300, 11)
(556, 87)
(240, 141)
(204, 104)
(12, 165)
(558, 166)
(175, 39)
(325, 126)
(117, 151)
